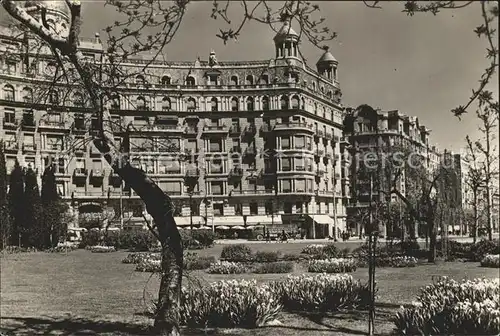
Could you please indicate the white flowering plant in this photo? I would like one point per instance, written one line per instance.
(226, 267)
(313, 249)
(449, 307)
(229, 303)
(321, 292)
(152, 265)
(101, 249)
(333, 265)
(491, 260)
(137, 257)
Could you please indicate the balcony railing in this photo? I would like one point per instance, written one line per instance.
(236, 192)
(215, 128)
(80, 172)
(29, 147)
(191, 130)
(163, 128)
(294, 126)
(192, 172)
(52, 124)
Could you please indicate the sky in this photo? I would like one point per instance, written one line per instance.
(422, 65)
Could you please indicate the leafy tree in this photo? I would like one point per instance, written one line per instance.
(34, 229)
(53, 208)
(5, 229)
(17, 204)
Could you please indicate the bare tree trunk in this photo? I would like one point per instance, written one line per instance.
(159, 206)
(432, 241)
(475, 225)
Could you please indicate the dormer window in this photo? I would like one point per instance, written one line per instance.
(264, 79)
(165, 80)
(190, 81)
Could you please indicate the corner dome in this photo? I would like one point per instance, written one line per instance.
(327, 57)
(286, 32)
(54, 5)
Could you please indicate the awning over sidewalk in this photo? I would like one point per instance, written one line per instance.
(186, 221)
(323, 219)
(264, 220)
(227, 221)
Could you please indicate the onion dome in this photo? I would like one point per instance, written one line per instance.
(286, 32)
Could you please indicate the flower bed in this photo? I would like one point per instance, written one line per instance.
(101, 249)
(236, 253)
(137, 257)
(195, 262)
(334, 265)
(403, 261)
(321, 292)
(274, 267)
(229, 303)
(149, 265)
(449, 307)
(313, 249)
(491, 260)
(226, 267)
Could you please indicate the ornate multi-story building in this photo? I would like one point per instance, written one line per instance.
(235, 143)
(369, 130)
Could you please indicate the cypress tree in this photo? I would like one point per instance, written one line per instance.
(34, 224)
(16, 204)
(5, 229)
(52, 208)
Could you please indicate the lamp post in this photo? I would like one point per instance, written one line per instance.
(191, 209)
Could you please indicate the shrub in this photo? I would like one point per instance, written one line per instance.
(16, 249)
(137, 241)
(197, 239)
(226, 267)
(456, 250)
(479, 250)
(101, 249)
(335, 265)
(274, 267)
(237, 253)
(331, 251)
(91, 238)
(61, 249)
(292, 257)
(448, 307)
(263, 256)
(321, 292)
(229, 303)
(195, 262)
(491, 260)
(313, 249)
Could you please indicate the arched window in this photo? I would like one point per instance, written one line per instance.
(322, 89)
(329, 94)
(214, 104)
(115, 101)
(53, 97)
(77, 99)
(249, 80)
(139, 80)
(165, 80)
(265, 103)
(27, 95)
(234, 80)
(234, 104)
(264, 79)
(250, 104)
(315, 108)
(9, 93)
(140, 103)
(166, 104)
(190, 81)
(284, 102)
(303, 104)
(314, 86)
(191, 104)
(295, 78)
(295, 102)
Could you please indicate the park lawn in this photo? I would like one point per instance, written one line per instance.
(51, 294)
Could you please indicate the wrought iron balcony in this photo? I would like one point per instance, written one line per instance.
(97, 173)
(236, 192)
(215, 129)
(302, 126)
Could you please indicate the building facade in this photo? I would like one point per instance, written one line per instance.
(368, 130)
(235, 143)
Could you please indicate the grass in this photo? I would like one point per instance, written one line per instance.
(78, 292)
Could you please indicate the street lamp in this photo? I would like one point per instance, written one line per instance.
(191, 209)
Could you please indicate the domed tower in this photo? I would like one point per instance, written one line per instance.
(57, 14)
(286, 42)
(327, 65)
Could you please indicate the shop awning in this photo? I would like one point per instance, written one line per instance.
(323, 219)
(186, 221)
(264, 220)
(227, 221)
